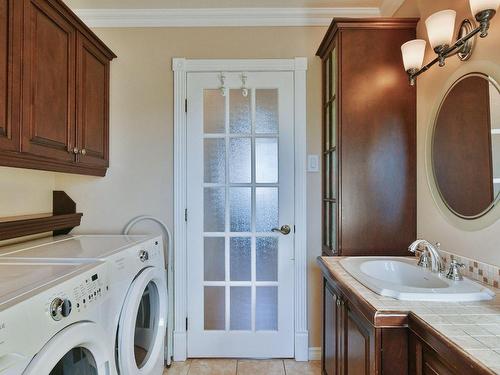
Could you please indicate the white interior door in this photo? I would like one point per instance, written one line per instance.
(240, 186)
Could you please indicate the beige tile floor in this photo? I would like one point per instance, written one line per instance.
(243, 367)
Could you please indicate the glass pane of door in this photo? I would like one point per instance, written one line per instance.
(241, 207)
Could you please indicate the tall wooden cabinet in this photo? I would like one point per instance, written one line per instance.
(55, 102)
(369, 136)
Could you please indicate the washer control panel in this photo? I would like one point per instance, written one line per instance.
(82, 292)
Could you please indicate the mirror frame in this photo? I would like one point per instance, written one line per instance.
(496, 199)
(484, 68)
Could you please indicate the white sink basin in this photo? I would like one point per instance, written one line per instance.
(402, 279)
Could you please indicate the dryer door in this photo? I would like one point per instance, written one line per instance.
(77, 349)
(141, 333)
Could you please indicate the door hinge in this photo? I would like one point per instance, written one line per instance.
(186, 215)
(186, 324)
(186, 105)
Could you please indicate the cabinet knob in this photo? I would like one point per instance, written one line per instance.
(338, 302)
(83, 151)
(75, 150)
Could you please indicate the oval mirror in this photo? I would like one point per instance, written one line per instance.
(466, 146)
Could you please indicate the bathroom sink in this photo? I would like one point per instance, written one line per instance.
(402, 279)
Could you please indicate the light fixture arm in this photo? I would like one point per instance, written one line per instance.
(483, 18)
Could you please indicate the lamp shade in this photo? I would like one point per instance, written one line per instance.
(413, 54)
(440, 27)
(479, 5)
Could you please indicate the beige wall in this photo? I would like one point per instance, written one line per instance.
(481, 244)
(139, 180)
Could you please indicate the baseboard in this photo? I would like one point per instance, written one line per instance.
(180, 346)
(315, 354)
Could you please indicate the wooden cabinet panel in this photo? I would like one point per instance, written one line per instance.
(10, 65)
(359, 344)
(49, 83)
(369, 138)
(330, 332)
(92, 104)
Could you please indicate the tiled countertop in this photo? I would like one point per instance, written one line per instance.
(472, 326)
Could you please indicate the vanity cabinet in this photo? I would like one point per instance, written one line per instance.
(350, 344)
(58, 107)
(369, 138)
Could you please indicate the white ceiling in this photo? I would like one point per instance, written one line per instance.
(193, 4)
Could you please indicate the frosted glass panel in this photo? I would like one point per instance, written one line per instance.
(214, 212)
(215, 307)
(241, 308)
(240, 118)
(266, 309)
(267, 259)
(214, 112)
(215, 160)
(240, 258)
(266, 209)
(266, 111)
(241, 209)
(214, 262)
(266, 160)
(240, 160)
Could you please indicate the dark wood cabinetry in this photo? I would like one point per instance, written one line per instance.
(10, 73)
(360, 340)
(351, 343)
(61, 121)
(369, 138)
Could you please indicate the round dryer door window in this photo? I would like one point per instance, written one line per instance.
(79, 349)
(146, 326)
(77, 361)
(141, 333)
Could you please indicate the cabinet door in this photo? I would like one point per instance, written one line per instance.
(48, 82)
(92, 104)
(333, 332)
(359, 344)
(330, 332)
(10, 78)
(425, 361)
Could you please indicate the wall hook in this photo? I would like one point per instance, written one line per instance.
(244, 89)
(223, 88)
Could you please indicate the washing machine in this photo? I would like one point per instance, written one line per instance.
(136, 313)
(49, 325)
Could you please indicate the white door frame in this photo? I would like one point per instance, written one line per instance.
(181, 67)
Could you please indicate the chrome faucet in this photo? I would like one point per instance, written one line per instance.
(429, 251)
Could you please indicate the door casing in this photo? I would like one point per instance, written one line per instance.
(181, 67)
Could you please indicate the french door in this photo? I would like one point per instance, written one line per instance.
(240, 214)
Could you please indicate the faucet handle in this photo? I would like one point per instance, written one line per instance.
(454, 270)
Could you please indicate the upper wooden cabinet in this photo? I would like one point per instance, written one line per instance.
(61, 123)
(10, 73)
(369, 138)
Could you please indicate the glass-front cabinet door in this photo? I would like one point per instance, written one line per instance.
(330, 150)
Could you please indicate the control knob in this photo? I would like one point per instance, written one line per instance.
(60, 308)
(143, 255)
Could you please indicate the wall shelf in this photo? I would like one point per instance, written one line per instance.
(61, 221)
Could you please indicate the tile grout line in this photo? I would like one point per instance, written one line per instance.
(284, 367)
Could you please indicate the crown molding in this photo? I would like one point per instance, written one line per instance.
(389, 7)
(219, 16)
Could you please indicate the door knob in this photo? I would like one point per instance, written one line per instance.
(285, 229)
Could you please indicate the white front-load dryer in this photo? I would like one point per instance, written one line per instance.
(48, 323)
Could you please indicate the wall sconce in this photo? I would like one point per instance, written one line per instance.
(440, 28)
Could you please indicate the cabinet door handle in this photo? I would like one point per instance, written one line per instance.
(83, 151)
(338, 302)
